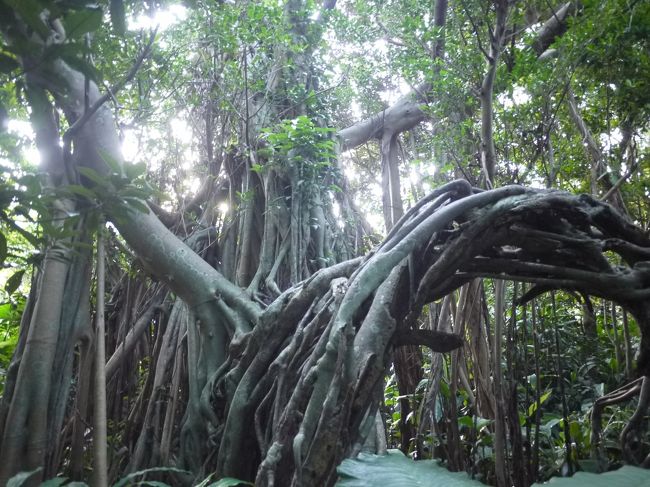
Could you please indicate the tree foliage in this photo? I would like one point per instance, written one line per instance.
(297, 233)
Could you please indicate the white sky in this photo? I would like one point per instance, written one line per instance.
(163, 19)
(23, 128)
(181, 132)
(519, 97)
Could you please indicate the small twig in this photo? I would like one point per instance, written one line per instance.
(400, 43)
(620, 182)
(387, 36)
(476, 31)
(77, 126)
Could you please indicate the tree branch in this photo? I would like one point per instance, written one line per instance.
(437, 341)
(79, 123)
(554, 27)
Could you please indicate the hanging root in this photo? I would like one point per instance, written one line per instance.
(631, 430)
(615, 397)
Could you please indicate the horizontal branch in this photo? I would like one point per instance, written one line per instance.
(403, 115)
(437, 341)
(407, 111)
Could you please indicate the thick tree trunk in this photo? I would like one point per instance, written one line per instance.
(38, 397)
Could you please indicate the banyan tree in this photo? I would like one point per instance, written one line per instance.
(255, 343)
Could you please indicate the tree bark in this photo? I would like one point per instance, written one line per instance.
(600, 176)
(100, 466)
(497, 37)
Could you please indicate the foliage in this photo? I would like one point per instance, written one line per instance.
(299, 145)
(396, 469)
(19, 479)
(124, 190)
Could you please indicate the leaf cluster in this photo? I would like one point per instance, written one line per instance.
(124, 189)
(299, 143)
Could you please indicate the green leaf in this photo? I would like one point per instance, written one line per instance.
(77, 23)
(137, 204)
(396, 469)
(6, 311)
(590, 465)
(548, 426)
(127, 480)
(31, 238)
(134, 171)
(31, 182)
(626, 476)
(93, 175)
(118, 17)
(20, 478)
(470, 421)
(113, 163)
(533, 407)
(81, 191)
(24, 211)
(205, 481)
(29, 11)
(14, 282)
(55, 482)
(229, 482)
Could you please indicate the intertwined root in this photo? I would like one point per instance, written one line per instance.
(306, 381)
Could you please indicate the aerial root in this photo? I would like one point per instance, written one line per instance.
(615, 397)
(630, 432)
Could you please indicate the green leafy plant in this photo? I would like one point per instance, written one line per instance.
(396, 469)
(299, 143)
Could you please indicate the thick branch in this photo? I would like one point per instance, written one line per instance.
(437, 341)
(79, 123)
(554, 27)
(405, 114)
(131, 340)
